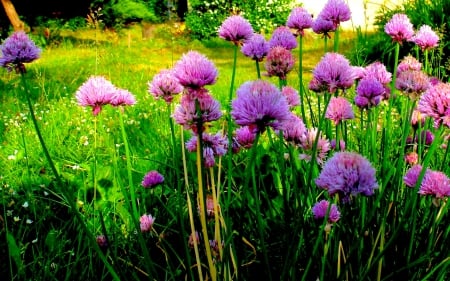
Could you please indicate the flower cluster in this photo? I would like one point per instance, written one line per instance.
(322, 208)
(299, 19)
(18, 49)
(152, 179)
(399, 28)
(435, 103)
(433, 183)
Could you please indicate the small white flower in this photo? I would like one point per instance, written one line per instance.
(16, 219)
(45, 193)
(29, 221)
(25, 204)
(34, 241)
(9, 212)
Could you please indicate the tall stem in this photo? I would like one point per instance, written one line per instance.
(300, 77)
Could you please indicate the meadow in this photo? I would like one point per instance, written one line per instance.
(74, 204)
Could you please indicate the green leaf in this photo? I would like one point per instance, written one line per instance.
(14, 251)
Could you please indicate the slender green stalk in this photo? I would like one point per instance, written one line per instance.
(300, 77)
(336, 40)
(258, 71)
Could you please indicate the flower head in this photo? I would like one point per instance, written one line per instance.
(348, 174)
(165, 85)
(122, 97)
(412, 175)
(96, 92)
(18, 49)
(336, 11)
(245, 137)
(146, 222)
(213, 145)
(307, 144)
(409, 63)
(282, 36)
(236, 29)
(299, 19)
(400, 28)
(435, 183)
(339, 109)
(152, 179)
(291, 95)
(425, 38)
(333, 72)
(279, 62)
(102, 241)
(256, 47)
(369, 93)
(294, 129)
(195, 70)
(435, 103)
(260, 104)
(323, 26)
(412, 82)
(320, 210)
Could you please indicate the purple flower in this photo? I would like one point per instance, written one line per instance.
(152, 179)
(122, 97)
(294, 129)
(412, 175)
(323, 26)
(213, 145)
(359, 72)
(435, 183)
(96, 92)
(279, 62)
(369, 93)
(320, 210)
(283, 37)
(194, 238)
(412, 82)
(425, 137)
(400, 28)
(260, 104)
(236, 29)
(339, 109)
(348, 174)
(341, 144)
(16, 50)
(332, 72)
(146, 222)
(336, 11)
(165, 85)
(299, 19)
(187, 115)
(409, 63)
(435, 103)
(102, 241)
(378, 71)
(245, 137)
(425, 38)
(307, 141)
(291, 95)
(194, 70)
(256, 47)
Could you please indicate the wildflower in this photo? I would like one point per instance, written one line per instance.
(194, 70)
(323, 26)
(283, 37)
(294, 129)
(435, 103)
(245, 137)
(425, 137)
(209, 206)
(189, 116)
(122, 97)
(260, 104)
(409, 63)
(96, 92)
(412, 82)
(336, 11)
(194, 238)
(369, 93)
(435, 183)
(165, 85)
(291, 95)
(307, 144)
(378, 71)
(412, 158)
(236, 29)
(152, 179)
(347, 174)
(400, 28)
(25, 204)
(256, 47)
(279, 62)
(16, 50)
(425, 38)
(341, 144)
(359, 72)
(333, 72)
(320, 210)
(102, 241)
(146, 222)
(213, 145)
(339, 109)
(299, 19)
(29, 221)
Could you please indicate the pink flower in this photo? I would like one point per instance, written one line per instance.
(123, 97)
(279, 62)
(307, 144)
(425, 38)
(152, 179)
(245, 137)
(146, 222)
(165, 85)
(412, 82)
(336, 11)
(435, 103)
(96, 92)
(213, 146)
(283, 37)
(399, 28)
(320, 210)
(339, 109)
(294, 129)
(256, 47)
(195, 70)
(299, 19)
(291, 95)
(236, 29)
(409, 63)
(435, 183)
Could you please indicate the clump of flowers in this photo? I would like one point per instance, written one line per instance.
(152, 179)
(256, 47)
(320, 210)
(146, 222)
(399, 28)
(425, 38)
(336, 11)
(165, 85)
(434, 183)
(347, 174)
(435, 103)
(195, 70)
(299, 19)
(283, 37)
(17, 50)
(369, 93)
(339, 109)
(279, 62)
(236, 29)
(259, 104)
(333, 72)
(307, 141)
(213, 146)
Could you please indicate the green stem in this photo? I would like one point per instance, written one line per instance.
(300, 77)
(258, 71)
(336, 40)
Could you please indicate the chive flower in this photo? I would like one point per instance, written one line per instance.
(425, 38)
(96, 92)
(165, 85)
(152, 179)
(16, 50)
(256, 47)
(399, 28)
(282, 36)
(236, 29)
(435, 103)
(299, 19)
(195, 70)
(320, 210)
